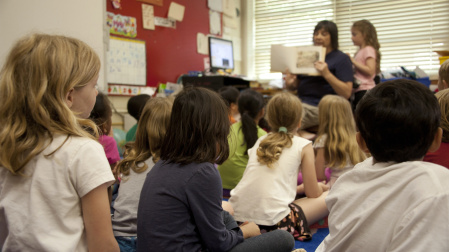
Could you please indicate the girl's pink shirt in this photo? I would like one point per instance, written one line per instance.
(110, 148)
(367, 81)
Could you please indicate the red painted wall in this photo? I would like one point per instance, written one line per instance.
(169, 52)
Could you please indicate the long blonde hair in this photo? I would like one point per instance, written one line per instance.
(443, 101)
(150, 135)
(283, 110)
(336, 122)
(369, 33)
(38, 73)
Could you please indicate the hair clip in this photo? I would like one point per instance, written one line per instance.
(282, 129)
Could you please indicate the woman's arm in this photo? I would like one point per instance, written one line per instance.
(320, 164)
(311, 187)
(97, 220)
(340, 87)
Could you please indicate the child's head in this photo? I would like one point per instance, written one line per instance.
(443, 76)
(364, 30)
(443, 100)
(198, 129)
(150, 135)
(135, 105)
(230, 94)
(336, 123)
(102, 114)
(45, 79)
(250, 105)
(284, 113)
(398, 121)
(330, 28)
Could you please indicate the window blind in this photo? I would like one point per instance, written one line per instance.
(409, 31)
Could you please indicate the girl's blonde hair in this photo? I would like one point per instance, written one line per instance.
(369, 33)
(443, 100)
(150, 135)
(38, 74)
(283, 110)
(336, 121)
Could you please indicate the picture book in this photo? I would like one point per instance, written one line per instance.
(297, 59)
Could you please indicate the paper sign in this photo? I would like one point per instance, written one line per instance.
(214, 23)
(165, 22)
(201, 44)
(229, 22)
(148, 17)
(130, 90)
(229, 8)
(121, 25)
(155, 2)
(176, 11)
(216, 5)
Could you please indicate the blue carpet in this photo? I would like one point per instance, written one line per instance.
(317, 238)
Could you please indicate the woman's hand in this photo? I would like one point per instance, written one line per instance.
(321, 66)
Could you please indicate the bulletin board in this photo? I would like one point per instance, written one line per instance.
(126, 61)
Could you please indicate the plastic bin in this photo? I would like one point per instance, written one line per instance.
(424, 80)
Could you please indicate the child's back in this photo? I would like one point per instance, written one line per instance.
(392, 201)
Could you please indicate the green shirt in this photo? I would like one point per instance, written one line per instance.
(231, 171)
(131, 134)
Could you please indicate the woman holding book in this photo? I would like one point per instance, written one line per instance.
(336, 75)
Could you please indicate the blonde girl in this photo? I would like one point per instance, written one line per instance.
(366, 60)
(141, 157)
(336, 146)
(53, 175)
(266, 194)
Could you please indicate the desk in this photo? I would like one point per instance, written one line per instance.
(215, 82)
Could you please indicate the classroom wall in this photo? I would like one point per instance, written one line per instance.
(171, 52)
(83, 19)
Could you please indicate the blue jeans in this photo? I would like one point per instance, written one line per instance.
(127, 243)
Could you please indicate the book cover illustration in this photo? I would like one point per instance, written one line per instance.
(297, 59)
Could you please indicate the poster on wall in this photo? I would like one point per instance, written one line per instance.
(155, 2)
(126, 62)
(148, 17)
(121, 25)
(214, 23)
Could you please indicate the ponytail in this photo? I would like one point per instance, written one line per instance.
(270, 149)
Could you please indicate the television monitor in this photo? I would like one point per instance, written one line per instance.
(221, 54)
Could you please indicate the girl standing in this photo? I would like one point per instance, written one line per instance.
(336, 146)
(366, 60)
(53, 174)
(266, 194)
(180, 203)
(242, 137)
(141, 157)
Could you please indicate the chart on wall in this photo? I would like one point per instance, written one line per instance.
(126, 62)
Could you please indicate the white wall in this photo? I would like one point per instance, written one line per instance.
(82, 19)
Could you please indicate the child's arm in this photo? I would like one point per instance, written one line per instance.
(249, 229)
(311, 188)
(97, 220)
(320, 164)
(368, 69)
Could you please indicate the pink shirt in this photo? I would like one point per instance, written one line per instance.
(367, 81)
(110, 148)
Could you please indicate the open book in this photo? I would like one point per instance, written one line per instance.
(297, 59)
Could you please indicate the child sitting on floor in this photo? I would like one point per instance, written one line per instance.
(392, 201)
(231, 94)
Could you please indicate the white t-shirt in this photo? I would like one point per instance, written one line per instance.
(336, 172)
(41, 211)
(124, 220)
(264, 193)
(389, 207)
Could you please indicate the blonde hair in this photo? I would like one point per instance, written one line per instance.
(336, 121)
(283, 110)
(38, 73)
(443, 73)
(443, 101)
(150, 135)
(370, 35)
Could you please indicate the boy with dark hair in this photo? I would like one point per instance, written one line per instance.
(135, 106)
(392, 201)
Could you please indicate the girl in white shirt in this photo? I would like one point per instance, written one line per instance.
(336, 146)
(53, 174)
(266, 194)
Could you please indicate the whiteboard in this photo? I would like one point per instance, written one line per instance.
(126, 62)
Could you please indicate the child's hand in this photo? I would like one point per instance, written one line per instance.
(249, 229)
(323, 186)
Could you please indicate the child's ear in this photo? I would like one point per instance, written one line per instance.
(69, 98)
(234, 108)
(361, 142)
(436, 140)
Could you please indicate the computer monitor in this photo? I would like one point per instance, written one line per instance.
(221, 54)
